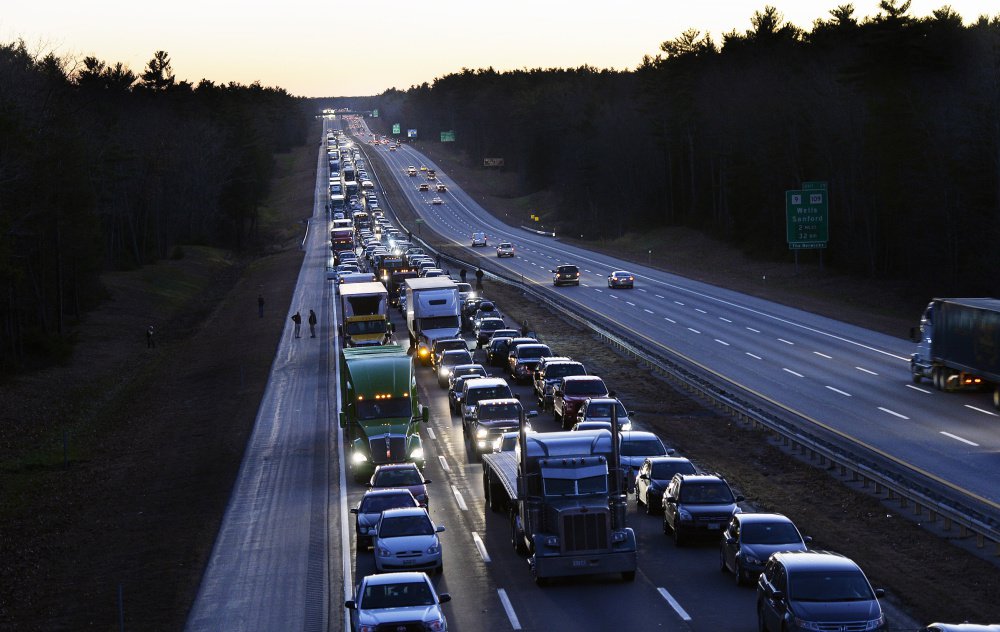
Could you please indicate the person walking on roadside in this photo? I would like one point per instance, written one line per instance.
(297, 319)
(524, 328)
(260, 306)
(479, 278)
(461, 274)
(312, 324)
(150, 340)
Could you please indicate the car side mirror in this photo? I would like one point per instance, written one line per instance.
(670, 499)
(354, 510)
(517, 396)
(807, 539)
(439, 529)
(428, 481)
(553, 272)
(671, 451)
(631, 413)
(444, 598)
(740, 499)
(880, 592)
(532, 413)
(368, 485)
(644, 477)
(351, 605)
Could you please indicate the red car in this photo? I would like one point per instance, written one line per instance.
(570, 393)
(402, 475)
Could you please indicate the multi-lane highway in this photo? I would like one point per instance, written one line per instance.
(848, 379)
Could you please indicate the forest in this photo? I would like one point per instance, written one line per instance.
(899, 114)
(104, 168)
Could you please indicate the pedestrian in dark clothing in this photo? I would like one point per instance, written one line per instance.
(297, 319)
(260, 305)
(461, 274)
(150, 340)
(312, 324)
(479, 278)
(524, 328)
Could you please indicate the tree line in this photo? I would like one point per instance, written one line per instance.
(105, 168)
(899, 114)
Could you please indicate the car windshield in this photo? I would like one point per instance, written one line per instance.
(452, 345)
(399, 595)
(829, 586)
(472, 370)
(770, 533)
(402, 477)
(439, 322)
(602, 410)
(666, 471)
(492, 392)
(380, 502)
(500, 411)
(586, 387)
(706, 493)
(642, 447)
(456, 357)
(573, 487)
(402, 526)
(489, 324)
(531, 351)
(383, 408)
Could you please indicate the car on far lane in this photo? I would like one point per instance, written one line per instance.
(621, 278)
(441, 188)
(405, 600)
(505, 249)
(751, 538)
(437, 200)
(566, 275)
(423, 187)
(479, 239)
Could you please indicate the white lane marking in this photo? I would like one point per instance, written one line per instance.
(509, 609)
(700, 310)
(837, 390)
(756, 357)
(958, 438)
(725, 320)
(694, 330)
(792, 372)
(670, 320)
(584, 285)
(613, 296)
(722, 342)
(980, 410)
(673, 604)
(459, 499)
(823, 355)
(893, 413)
(640, 289)
(585, 270)
(917, 388)
(630, 303)
(444, 463)
(679, 303)
(430, 433)
(659, 296)
(756, 331)
(648, 311)
(866, 371)
(785, 341)
(482, 547)
(598, 290)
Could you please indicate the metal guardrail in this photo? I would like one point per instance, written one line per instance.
(901, 483)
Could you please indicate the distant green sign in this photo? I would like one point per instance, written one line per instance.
(374, 113)
(448, 137)
(807, 217)
(395, 128)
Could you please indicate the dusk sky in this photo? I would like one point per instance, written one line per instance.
(314, 48)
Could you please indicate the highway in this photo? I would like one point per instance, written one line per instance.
(850, 380)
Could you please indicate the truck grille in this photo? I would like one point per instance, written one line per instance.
(396, 447)
(849, 626)
(585, 531)
(408, 626)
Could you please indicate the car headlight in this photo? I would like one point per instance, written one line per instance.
(751, 559)
(358, 457)
(434, 548)
(625, 427)
(527, 427)
(481, 433)
(434, 625)
(806, 625)
(417, 454)
(383, 552)
(874, 624)
(684, 514)
(423, 352)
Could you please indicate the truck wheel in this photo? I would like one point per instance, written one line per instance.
(915, 373)
(516, 539)
(628, 576)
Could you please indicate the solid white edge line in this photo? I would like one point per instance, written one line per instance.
(674, 604)
(958, 438)
(444, 463)
(509, 609)
(981, 410)
(430, 433)
(837, 390)
(459, 499)
(893, 413)
(482, 547)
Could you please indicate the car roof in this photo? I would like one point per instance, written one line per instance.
(583, 378)
(601, 400)
(402, 577)
(500, 401)
(387, 491)
(463, 367)
(815, 560)
(404, 511)
(637, 434)
(753, 518)
(486, 382)
(396, 466)
(621, 272)
(455, 352)
(653, 460)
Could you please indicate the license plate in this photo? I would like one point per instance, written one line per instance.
(713, 525)
(578, 563)
(407, 562)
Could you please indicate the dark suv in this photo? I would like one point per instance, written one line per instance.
(566, 275)
(550, 371)
(697, 504)
(816, 590)
(523, 360)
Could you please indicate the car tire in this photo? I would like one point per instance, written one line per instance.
(666, 525)
(679, 540)
(440, 569)
(741, 576)
(628, 576)
(761, 626)
(649, 505)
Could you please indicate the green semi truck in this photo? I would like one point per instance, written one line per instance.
(379, 411)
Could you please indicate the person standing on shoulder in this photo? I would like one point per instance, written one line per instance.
(479, 278)
(461, 274)
(312, 324)
(297, 319)
(150, 340)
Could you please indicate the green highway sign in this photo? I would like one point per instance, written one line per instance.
(448, 137)
(807, 214)
(374, 113)
(812, 186)
(395, 128)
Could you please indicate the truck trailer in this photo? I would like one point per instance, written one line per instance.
(379, 412)
(562, 494)
(364, 314)
(433, 312)
(958, 345)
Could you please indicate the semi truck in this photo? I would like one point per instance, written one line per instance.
(364, 314)
(958, 345)
(433, 312)
(379, 411)
(562, 495)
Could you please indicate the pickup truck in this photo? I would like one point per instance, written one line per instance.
(549, 372)
(570, 393)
